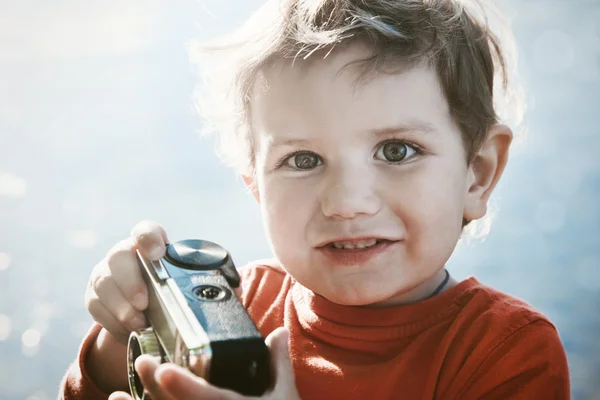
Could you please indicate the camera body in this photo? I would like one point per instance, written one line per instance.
(197, 321)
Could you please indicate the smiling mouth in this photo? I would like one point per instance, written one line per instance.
(354, 244)
(356, 251)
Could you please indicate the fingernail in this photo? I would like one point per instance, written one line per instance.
(158, 375)
(139, 301)
(157, 252)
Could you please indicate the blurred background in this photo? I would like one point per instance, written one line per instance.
(97, 131)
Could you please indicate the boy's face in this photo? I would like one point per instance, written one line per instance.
(342, 163)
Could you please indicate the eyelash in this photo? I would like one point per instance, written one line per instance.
(281, 163)
(417, 149)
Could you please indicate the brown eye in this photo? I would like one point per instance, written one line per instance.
(394, 152)
(304, 161)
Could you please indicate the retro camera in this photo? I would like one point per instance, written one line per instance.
(197, 321)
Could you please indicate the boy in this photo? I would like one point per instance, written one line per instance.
(366, 131)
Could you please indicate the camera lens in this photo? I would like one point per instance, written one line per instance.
(211, 293)
(135, 383)
(143, 342)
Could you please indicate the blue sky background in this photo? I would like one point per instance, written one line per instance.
(97, 131)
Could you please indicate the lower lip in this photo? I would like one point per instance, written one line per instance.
(354, 256)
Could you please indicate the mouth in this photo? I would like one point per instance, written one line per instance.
(355, 251)
(355, 244)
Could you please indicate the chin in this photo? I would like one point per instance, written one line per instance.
(374, 296)
(362, 299)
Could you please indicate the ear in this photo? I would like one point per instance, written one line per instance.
(252, 187)
(485, 170)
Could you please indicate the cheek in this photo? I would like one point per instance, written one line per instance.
(286, 209)
(431, 207)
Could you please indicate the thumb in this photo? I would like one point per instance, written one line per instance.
(280, 356)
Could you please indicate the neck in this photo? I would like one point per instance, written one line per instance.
(432, 286)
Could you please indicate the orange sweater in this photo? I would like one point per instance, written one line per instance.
(470, 342)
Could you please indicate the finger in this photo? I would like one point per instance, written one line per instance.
(120, 396)
(150, 238)
(146, 366)
(111, 297)
(238, 292)
(277, 342)
(105, 318)
(123, 266)
(179, 383)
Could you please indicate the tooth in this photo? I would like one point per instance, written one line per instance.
(358, 245)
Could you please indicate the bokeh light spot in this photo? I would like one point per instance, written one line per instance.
(4, 261)
(11, 185)
(31, 338)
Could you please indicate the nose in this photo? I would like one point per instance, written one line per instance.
(350, 193)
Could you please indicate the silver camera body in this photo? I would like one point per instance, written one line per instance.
(197, 321)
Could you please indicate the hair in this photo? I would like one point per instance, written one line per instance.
(454, 37)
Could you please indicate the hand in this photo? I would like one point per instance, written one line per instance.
(117, 295)
(170, 382)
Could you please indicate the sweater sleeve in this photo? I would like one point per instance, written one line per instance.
(529, 364)
(77, 385)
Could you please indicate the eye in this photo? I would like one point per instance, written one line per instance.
(395, 151)
(302, 161)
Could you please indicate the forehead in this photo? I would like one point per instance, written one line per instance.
(331, 92)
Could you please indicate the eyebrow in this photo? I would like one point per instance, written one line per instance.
(274, 144)
(417, 127)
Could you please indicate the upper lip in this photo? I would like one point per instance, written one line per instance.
(354, 240)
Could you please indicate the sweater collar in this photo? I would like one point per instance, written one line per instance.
(316, 313)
